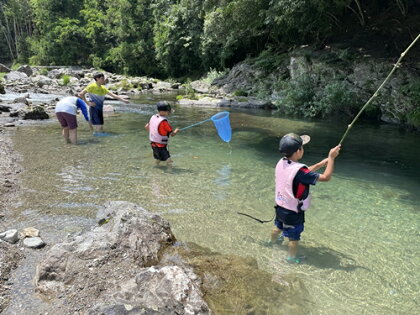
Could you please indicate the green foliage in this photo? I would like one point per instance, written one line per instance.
(240, 92)
(297, 97)
(125, 84)
(413, 91)
(189, 92)
(2, 74)
(213, 74)
(43, 71)
(306, 97)
(15, 66)
(177, 37)
(65, 79)
(337, 99)
(414, 118)
(186, 38)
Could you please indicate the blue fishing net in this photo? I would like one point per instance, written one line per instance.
(222, 123)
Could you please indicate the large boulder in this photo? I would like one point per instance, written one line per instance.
(25, 69)
(41, 80)
(109, 269)
(35, 113)
(15, 76)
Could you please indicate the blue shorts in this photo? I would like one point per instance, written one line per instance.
(96, 115)
(293, 233)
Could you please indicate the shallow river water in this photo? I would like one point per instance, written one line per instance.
(361, 235)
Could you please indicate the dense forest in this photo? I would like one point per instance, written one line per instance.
(176, 38)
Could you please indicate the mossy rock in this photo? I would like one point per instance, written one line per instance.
(37, 113)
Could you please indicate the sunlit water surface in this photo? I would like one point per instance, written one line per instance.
(361, 235)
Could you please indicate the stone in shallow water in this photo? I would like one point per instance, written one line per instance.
(33, 242)
(10, 236)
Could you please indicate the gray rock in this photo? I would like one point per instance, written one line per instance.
(33, 242)
(2, 90)
(107, 270)
(21, 99)
(3, 68)
(41, 80)
(10, 236)
(169, 289)
(25, 69)
(15, 76)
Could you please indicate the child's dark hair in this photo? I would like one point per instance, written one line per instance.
(163, 107)
(98, 75)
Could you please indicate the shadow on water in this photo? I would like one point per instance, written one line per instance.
(326, 258)
(173, 170)
(88, 141)
(320, 257)
(235, 285)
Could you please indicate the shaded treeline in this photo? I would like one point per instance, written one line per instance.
(186, 37)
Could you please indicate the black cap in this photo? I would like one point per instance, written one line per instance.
(291, 142)
(163, 106)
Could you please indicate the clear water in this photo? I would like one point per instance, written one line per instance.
(361, 235)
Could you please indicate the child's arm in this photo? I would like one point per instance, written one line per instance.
(147, 127)
(82, 95)
(326, 176)
(318, 165)
(173, 133)
(117, 97)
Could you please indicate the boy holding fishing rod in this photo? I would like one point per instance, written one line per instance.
(293, 180)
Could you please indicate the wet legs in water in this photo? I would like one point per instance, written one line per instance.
(275, 235)
(70, 135)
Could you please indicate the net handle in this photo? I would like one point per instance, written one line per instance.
(196, 124)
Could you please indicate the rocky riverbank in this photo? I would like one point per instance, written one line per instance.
(10, 255)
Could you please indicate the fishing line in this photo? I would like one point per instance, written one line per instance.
(256, 219)
(380, 87)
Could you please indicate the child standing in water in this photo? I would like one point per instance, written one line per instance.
(97, 92)
(293, 180)
(159, 132)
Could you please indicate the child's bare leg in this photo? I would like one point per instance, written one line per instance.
(169, 163)
(73, 136)
(293, 248)
(275, 234)
(66, 134)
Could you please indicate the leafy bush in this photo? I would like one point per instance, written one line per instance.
(66, 79)
(43, 71)
(296, 97)
(414, 118)
(240, 92)
(337, 98)
(213, 74)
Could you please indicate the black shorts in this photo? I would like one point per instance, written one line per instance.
(96, 115)
(160, 153)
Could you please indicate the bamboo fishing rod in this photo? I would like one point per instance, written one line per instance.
(380, 87)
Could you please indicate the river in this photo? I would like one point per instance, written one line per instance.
(361, 236)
